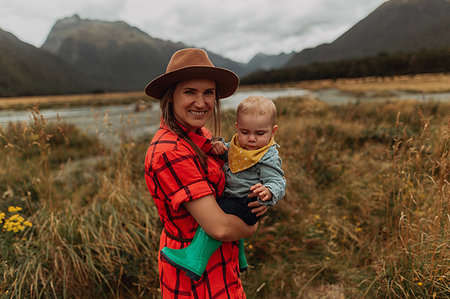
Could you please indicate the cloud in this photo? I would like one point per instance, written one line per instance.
(240, 29)
(234, 28)
(100, 9)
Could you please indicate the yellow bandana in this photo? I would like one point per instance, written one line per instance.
(241, 159)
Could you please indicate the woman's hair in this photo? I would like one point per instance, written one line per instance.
(168, 116)
(258, 105)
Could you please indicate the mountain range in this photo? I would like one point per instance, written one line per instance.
(82, 55)
(395, 26)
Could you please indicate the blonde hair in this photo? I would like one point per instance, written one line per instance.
(258, 106)
(168, 116)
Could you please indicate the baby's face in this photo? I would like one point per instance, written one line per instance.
(253, 131)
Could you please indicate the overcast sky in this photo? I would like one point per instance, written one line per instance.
(237, 29)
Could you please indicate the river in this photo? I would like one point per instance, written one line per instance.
(108, 122)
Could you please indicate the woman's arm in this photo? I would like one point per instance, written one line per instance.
(216, 223)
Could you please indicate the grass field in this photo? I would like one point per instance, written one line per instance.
(423, 83)
(73, 100)
(366, 212)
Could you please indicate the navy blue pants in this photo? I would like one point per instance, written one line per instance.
(238, 207)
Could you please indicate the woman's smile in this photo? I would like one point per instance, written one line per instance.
(198, 113)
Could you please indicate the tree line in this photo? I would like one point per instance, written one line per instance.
(383, 64)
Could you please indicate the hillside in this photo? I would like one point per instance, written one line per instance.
(119, 55)
(395, 26)
(27, 70)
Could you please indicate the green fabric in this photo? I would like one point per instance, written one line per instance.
(242, 259)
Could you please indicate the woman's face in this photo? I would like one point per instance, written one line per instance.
(193, 102)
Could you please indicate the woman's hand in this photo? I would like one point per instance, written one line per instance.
(258, 208)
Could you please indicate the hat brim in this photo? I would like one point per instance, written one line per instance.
(226, 81)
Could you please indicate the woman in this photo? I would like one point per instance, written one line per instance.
(184, 177)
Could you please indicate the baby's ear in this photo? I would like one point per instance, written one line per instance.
(274, 129)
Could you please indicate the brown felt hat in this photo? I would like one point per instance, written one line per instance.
(187, 64)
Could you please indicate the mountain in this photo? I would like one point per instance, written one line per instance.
(395, 26)
(267, 62)
(27, 70)
(120, 56)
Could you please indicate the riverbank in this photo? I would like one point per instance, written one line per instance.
(75, 100)
(360, 88)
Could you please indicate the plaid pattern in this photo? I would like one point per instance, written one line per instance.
(174, 175)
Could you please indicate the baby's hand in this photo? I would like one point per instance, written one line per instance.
(261, 191)
(218, 148)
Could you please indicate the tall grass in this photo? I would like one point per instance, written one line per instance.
(95, 233)
(366, 210)
(365, 213)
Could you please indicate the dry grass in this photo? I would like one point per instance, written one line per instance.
(95, 233)
(423, 83)
(366, 209)
(72, 100)
(365, 213)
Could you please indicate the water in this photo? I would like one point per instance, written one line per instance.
(233, 101)
(109, 122)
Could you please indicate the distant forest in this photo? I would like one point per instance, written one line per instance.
(383, 64)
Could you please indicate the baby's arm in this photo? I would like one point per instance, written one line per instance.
(272, 184)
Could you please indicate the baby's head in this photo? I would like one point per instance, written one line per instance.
(256, 118)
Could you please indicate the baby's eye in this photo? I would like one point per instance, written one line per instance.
(244, 132)
(260, 133)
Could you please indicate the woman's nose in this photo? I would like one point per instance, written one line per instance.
(200, 101)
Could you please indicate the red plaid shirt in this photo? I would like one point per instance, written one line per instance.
(174, 175)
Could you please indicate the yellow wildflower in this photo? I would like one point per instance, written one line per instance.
(12, 209)
(28, 223)
(16, 217)
(419, 284)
